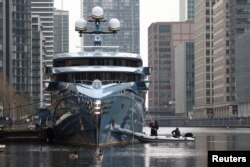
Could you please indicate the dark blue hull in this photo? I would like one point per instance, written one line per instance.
(80, 125)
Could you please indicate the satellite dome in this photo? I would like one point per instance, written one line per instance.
(81, 25)
(114, 25)
(97, 12)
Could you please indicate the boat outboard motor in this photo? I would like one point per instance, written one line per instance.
(189, 134)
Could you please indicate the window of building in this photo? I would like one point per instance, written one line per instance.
(207, 36)
(208, 100)
(207, 20)
(207, 52)
(164, 28)
(228, 98)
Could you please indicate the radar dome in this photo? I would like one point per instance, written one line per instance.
(97, 12)
(114, 25)
(81, 25)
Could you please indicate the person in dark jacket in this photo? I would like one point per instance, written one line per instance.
(176, 133)
(151, 125)
(154, 127)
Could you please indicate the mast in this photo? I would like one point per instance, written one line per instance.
(81, 26)
(97, 18)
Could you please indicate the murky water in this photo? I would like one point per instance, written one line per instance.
(134, 155)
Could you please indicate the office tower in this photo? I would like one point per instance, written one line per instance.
(15, 41)
(241, 30)
(163, 37)
(38, 54)
(45, 10)
(61, 31)
(128, 12)
(243, 74)
(230, 20)
(184, 78)
(186, 10)
(203, 44)
(223, 62)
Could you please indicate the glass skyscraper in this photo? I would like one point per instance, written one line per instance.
(15, 43)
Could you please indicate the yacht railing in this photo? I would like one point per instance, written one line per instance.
(104, 82)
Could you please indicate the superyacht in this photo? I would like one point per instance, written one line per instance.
(96, 90)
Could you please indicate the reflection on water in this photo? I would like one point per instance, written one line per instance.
(138, 155)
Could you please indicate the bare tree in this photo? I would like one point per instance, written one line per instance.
(14, 105)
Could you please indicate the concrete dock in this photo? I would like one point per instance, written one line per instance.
(12, 135)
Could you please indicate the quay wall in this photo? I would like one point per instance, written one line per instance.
(12, 135)
(207, 122)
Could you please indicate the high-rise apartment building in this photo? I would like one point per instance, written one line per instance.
(203, 42)
(15, 44)
(128, 13)
(163, 37)
(186, 10)
(61, 31)
(45, 10)
(38, 54)
(184, 78)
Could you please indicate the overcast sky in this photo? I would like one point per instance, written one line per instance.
(150, 11)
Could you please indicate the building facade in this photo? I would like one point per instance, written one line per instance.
(215, 58)
(203, 44)
(243, 74)
(45, 10)
(128, 13)
(61, 31)
(163, 37)
(2, 39)
(241, 28)
(224, 61)
(186, 10)
(38, 54)
(184, 79)
(15, 44)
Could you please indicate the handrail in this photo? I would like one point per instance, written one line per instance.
(103, 81)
